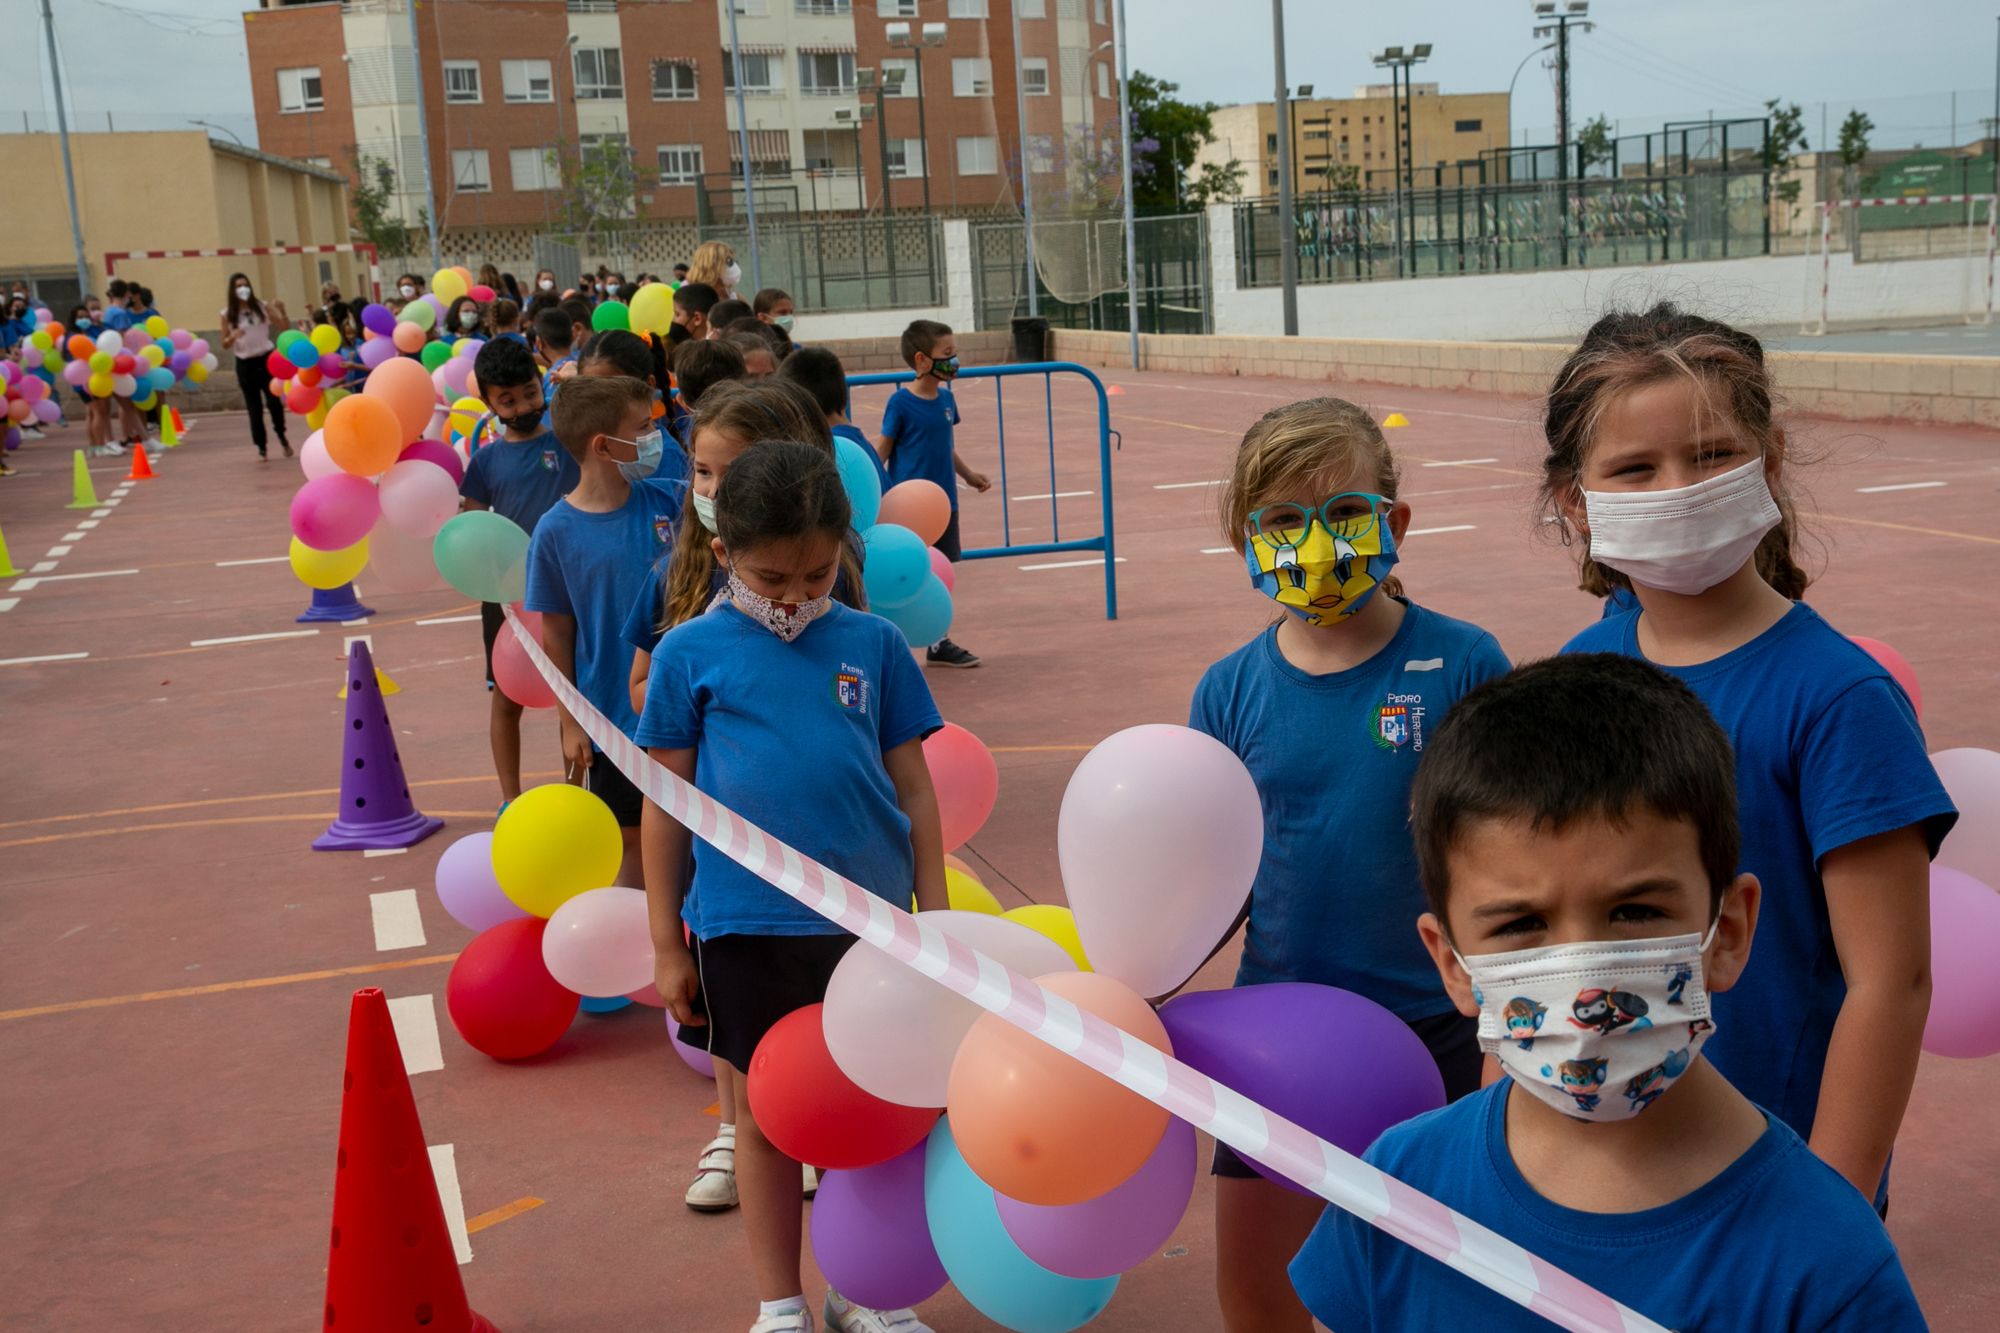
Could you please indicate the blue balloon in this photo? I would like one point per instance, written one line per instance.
(896, 566)
(925, 618)
(162, 379)
(604, 1004)
(863, 482)
(983, 1261)
(302, 354)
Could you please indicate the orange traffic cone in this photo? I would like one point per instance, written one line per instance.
(141, 469)
(391, 1264)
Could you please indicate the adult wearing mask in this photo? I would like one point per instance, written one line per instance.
(715, 263)
(247, 325)
(408, 288)
(463, 318)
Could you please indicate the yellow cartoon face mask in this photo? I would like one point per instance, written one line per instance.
(1321, 564)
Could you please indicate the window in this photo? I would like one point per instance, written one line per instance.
(531, 169)
(461, 81)
(527, 81)
(1035, 75)
(906, 158)
(1099, 7)
(761, 73)
(1069, 9)
(823, 149)
(299, 90)
(899, 76)
(1103, 79)
(971, 76)
(969, 9)
(826, 73)
(1467, 126)
(325, 162)
(599, 76)
(896, 9)
(978, 155)
(1032, 9)
(1270, 143)
(680, 164)
(1042, 152)
(673, 81)
(470, 173)
(823, 8)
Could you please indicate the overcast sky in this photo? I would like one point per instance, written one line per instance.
(155, 64)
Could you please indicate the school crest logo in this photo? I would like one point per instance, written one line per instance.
(1392, 726)
(851, 690)
(548, 460)
(663, 529)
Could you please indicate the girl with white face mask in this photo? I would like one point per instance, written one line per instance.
(1665, 467)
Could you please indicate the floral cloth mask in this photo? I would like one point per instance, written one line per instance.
(787, 620)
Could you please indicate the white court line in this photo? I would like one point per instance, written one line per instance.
(1054, 495)
(9, 603)
(1463, 462)
(415, 1020)
(1218, 550)
(24, 585)
(443, 620)
(90, 523)
(348, 623)
(98, 513)
(1900, 486)
(444, 1166)
(384, 851)
(1097, 560)
(1187, 485)
(52, 657)
(260, 560)
(398, 922)
(253, 638)
(113, 501)
(42, 566)
(1427, 532)
(92, 574)
(74, 536)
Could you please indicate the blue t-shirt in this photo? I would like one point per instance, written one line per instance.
(117, 317)
(1827, 752)
(1778, 1241)
(846, 432)
(590, 566)
(920, 430)
(520, 481)
(791, 736)
(1336, 898)
(641, 627)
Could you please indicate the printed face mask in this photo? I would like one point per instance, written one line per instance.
(787, 620)
(1321, 564)
(650, 447)
(1597, 1030)
(704, 509)
(945, 368)
(1685, 540)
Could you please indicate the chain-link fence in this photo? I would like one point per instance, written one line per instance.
(1080, 263)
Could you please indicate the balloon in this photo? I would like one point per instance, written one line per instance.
(611, 315)
(302, 354)
(434, 355)
(983, 1261)
(484, 556)
(700, 1061)
(966, 778)
(1897, 666)
(198, 373)
(200, 348)
(652, 311)
(408, 338)
(925, 618)
(501, 997)
(895, 1031)
(860, 479)
(377, 318)
(515, 676)
(302, 398)
(422, 314)
(896, 566)
(466, 888)
(869, 1234)
(405, 387)
(813, 1113)
(101, 385)
(109, 341)
(457, 376)
(327, 569)
(1103, 1237)
(76, 372)
(333, 513)
(598, 943)
(1972, 778)
(330, 366)
(156, 326)
(969, 895)
(553, 842)
(941, 567)
(1055, 923)
(378, 350)
(447, 285)
(134, 339)
(117, 365)
(325, 338)
(362, 433)
(1159, 837)
(603, 1004)
(919, 505)
(417, 497)
(480, 292)
(1964, 1021)
(309, 376)
(1338, 1064)
(435, 451)
(286, 337)
(465, 415)
(398, 562)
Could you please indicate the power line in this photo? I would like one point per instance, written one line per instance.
(179, 24)
(1687, 70)
(1660, 71)
(1708, 95)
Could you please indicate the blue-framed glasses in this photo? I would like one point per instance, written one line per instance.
(1351, 514)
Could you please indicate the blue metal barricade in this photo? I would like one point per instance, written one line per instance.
(1103, 543)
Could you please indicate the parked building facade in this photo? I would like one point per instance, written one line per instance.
(1359, 132)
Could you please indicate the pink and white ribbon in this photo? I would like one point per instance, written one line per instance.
(1342, 1179)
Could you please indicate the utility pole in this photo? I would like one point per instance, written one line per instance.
(69, 169)
(1028, 165)
(1288, 233)
(743, 148)
(424, 134)
(1574, 13)
(1131, 227)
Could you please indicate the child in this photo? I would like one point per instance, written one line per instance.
(555, 344)
(643, 357)
(808, 719)
(1330, 707)
(520, 476)
(507, 320)
(1664, 455)
(692, 302)
(1577, 826)
(818, 371)
(917, 442)
(726, 312)
(463, 318)
(589, 554)
(760, 358)
(699, 367)
(775, 307)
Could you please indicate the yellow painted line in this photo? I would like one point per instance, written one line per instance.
(239, 800)
(504, 1213)
(1910, 527)
(224, 987)
(321, 817)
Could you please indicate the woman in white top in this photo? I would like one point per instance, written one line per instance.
(249, 327)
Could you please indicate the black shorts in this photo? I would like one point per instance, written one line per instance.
(1453, 1041)
(492, 618)
(749, 982)
(604, 780)
(948, 543)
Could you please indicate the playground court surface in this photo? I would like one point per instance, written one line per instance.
(177, 964)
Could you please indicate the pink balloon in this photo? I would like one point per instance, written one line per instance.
(199, 347)
(76, 372)
(398, 562)
(1103, 1237)
(1964, 1021)
(967, 781)
(48, 411)
(135, 338)
(466, 887)
(313, 458)
(31, 357)
(942, 567)
(453, 375)
(481, 293)
(700, 1061)
(439, 383)
(331, 366)
(598, 943)
(438, 452)
(417, 498)
(181, 339)
(1972, 778)
(517, 678)
(333, 513)
(1896, 665)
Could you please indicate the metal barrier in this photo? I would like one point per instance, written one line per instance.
(1046, 369)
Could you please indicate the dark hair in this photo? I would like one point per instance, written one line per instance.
(756, 328)
(642, 356)
(681, 267)
(414, 279)
(554, 329)
(448, 328)
(725, 313)
(697, 298)
(146, 297)
(700, 365)
(341, 316)
(503, 364)
(505, 311)
(591, 406)
(766, 300)
(1627, 349)
(751, 344)
(818, 371)
(781, 489)
(117, 288)
(921, 336)
(1567, 738)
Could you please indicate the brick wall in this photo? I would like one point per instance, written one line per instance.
(292, 38)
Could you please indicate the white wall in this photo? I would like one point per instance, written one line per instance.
(957, 310)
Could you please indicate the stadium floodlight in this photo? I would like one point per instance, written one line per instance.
(1305, 90)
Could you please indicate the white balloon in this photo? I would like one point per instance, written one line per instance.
(314, 461)
(599, 943)
(418, 497)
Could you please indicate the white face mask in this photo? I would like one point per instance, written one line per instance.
(243, 293)
(548, 284)
(1685, 540)
(704, 509)
(782, 321)
(1597, 1030)
(787, 620)
(733, 274)
(468, 319)
(611, 289)
(407, 290)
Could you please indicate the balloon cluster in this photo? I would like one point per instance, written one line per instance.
(27, 402)
(306, 371)
(908, 580)
(141, 363)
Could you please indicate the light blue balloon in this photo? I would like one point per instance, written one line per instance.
(858, 476)
(484, 555)
(896, 565)
(604, 1004)
(983, 1261)
(925, 618)
(161, 378)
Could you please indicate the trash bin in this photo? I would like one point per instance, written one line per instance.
(1031, 338)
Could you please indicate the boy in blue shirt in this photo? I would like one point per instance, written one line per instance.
(818, 371)
(1576, 829)
(589, 555)
(519, 476)
(917, 442)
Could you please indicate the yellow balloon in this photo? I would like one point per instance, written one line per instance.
(652, 308)
(552, 843)
(448, 286)
(100, 384)
(1057, 923)
(465, 414)
(154, 356)
(197, 373)
(325, 338)
(328, 569)
(968, 894)
(156, 326)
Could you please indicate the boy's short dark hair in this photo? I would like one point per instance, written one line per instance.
(554, 329)
(504, 363)
(1571, 737)
(594, 405)
(577, 309)
(725, 313)
(818, 371)
(696, 298)
(922, 336)
(756, 328)
(749, 344)
(116, 289)
(703, 364)
(679, 269)
(766, 300)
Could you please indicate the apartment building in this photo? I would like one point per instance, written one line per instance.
(1357, 131)
(511, 87)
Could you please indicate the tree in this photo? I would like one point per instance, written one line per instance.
(1785, 139)
(373, 200)
(1854, 132)
(1167, 133)
(1593, 145)
(1216, 182)
(598, 186)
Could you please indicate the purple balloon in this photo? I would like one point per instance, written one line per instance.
(435, 451)
(1103, 1237)
(466, 887)
(870, 1235)
(378, 319)
(1340, 1065)
(179, 363)
(434, 302)
(377, 350)
(700, 1061)
(331, 366)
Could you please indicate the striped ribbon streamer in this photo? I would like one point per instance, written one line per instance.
(1342, 1179)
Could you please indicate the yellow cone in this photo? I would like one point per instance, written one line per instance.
(169, 437)
(382, 683)
(7, 569)
(85, 494)
(1393, 420)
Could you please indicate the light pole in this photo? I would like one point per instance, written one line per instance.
(1027, 166)
(743, 149)
(563, 57)
(903, 39)
(1288, 232)
(1574, 14)
(69, 171)
(1398, 61)
(424, 139)
(1510, 99)
(1131, 224)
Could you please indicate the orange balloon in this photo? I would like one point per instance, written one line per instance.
(408, 338)
(1038, 1126)
(80, 347)
(362, 435)
(405, 386)
(919, 505)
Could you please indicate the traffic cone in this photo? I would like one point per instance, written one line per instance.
(84, 494)
(1393, 420)
(7, 567)
(170, 436)
(375, 806)
(142, 470)
(391, 1263)
(383, 682)
(334, 604)
(180, 426)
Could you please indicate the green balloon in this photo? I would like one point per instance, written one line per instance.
(611, 315)
(435, 355)
(484, 556)
(287, 338)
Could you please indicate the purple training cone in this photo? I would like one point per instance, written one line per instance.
(375, 806)
(334, 604)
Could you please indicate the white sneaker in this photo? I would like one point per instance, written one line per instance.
(812, 1181)
(788, 1321)
(842, 1317)
(714, 1187)
(114, 448)
(30, 433)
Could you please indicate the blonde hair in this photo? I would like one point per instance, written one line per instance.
(707, 265)
(1296, 452)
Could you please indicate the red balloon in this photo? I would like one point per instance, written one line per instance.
(814, 1113)
(1896, 665)
(514, 675)
(121, 364)
(967, 782)
(501, 997)
(280, 368)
